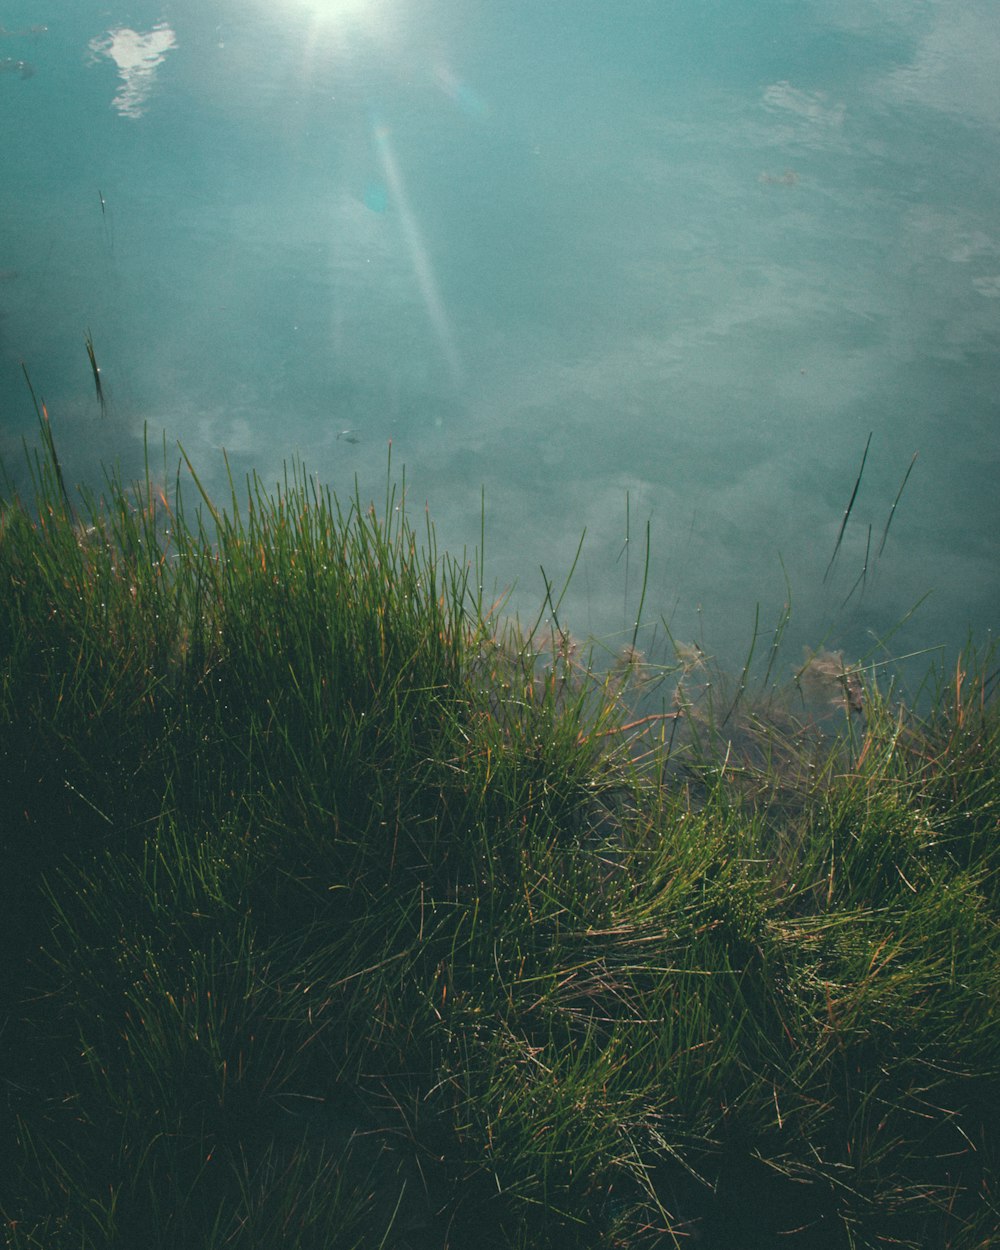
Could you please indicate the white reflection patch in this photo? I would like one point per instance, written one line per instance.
(138, 56)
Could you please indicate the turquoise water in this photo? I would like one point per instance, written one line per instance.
(599, 264)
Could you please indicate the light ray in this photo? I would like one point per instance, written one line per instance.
(419, 255)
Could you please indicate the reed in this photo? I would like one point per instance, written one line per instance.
(341, 912)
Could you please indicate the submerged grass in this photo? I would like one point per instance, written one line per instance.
(338, 914)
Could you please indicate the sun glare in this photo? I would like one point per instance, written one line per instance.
(368, 15)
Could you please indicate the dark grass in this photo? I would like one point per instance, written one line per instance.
(338, 914)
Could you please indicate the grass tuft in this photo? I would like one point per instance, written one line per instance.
(339, 912)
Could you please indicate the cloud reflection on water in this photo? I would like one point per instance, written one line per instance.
(138, 57)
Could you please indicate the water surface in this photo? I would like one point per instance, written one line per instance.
(599, 264)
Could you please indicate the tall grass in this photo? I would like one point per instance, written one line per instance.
(340, 913)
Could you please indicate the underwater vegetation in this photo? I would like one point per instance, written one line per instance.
(339, 911)
(12, 65)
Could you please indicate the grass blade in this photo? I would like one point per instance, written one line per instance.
(847, 510)
(95, 369)
(892, 510)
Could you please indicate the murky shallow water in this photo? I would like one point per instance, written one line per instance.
(602, 265)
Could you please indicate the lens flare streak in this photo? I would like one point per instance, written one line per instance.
(419, 255)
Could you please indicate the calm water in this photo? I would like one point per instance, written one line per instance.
(665, 261)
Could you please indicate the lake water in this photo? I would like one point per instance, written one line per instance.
(599, 264)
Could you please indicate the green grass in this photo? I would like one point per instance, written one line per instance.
(339, 913)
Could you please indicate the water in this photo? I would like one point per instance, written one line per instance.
(664, 261)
